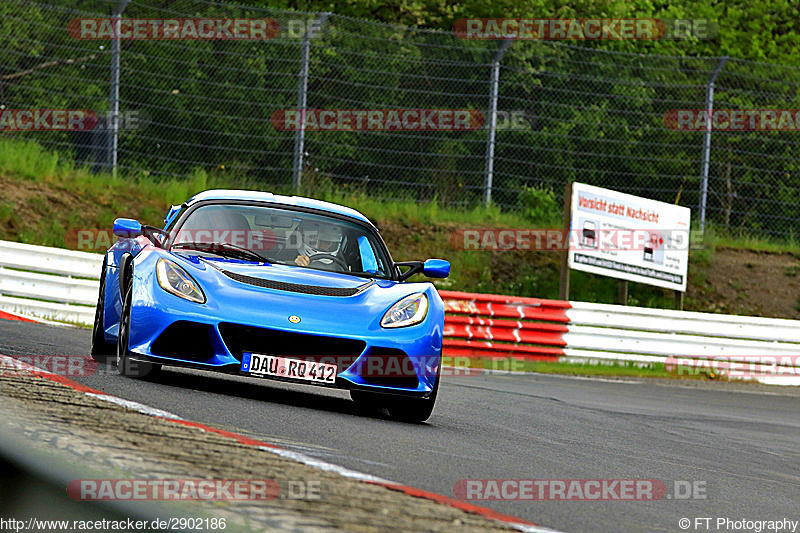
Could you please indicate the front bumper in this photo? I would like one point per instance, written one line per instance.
(213, 336)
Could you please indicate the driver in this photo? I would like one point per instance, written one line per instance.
(319, 239)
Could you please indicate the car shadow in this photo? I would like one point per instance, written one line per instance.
(262, 390)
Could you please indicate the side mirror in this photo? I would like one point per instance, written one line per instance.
(436, 268)
(127, 227)
(432, 268)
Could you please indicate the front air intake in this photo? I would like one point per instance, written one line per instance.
(185, 340)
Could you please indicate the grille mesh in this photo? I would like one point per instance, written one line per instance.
(240, 338)
(296, 287)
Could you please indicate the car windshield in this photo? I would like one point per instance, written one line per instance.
(284, 236)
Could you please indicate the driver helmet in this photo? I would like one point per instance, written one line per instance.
(320, 238)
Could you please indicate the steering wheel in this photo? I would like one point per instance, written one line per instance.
(337, 260)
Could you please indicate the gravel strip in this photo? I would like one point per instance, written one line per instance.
(125, 444)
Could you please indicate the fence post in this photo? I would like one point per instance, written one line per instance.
(113, 108)
(563, 280)
(489, 169)
(302, 87)
(707, 142)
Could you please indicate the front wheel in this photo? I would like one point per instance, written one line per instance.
(125, 365)
(413, 409)
(402, 409)
(102, 351)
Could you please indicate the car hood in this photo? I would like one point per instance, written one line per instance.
(321, 311)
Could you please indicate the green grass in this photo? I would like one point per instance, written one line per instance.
(619, 369)
(80, 325)
(758, 243)
(602, 369)
(29, 160)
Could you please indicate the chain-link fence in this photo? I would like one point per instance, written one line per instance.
(563, 112)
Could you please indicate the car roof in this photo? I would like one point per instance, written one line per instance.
(268, 197)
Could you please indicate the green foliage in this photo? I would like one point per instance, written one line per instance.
(178, 191)
(540, 206)
(589, 116)
(758, 31)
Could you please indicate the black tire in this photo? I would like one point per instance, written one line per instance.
(102, 351)
(402, 409)
(413, 409)
(125, 365)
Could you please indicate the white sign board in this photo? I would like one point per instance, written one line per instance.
(627, 237)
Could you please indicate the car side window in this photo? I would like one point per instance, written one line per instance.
(369, 263)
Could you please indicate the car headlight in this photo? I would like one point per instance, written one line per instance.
(174, 279)
(407, 312)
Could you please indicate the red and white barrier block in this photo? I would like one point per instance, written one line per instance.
(494, 326)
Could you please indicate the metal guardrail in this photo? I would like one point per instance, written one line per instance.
(62, 285)
(49, 283)
(478, 325)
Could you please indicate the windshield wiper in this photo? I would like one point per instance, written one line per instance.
(241, 250)
(223, 249)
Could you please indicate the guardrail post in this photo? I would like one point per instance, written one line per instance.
(113, 108)
(679, 300)
(302, 89)
(622, 292)
(707, 142)
(489, 169)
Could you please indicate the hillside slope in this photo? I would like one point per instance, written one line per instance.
(43, 202)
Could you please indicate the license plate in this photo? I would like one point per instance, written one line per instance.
(285, 367)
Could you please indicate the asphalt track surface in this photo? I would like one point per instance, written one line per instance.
(742, 443)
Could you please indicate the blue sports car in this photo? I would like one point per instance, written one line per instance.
(277, 287)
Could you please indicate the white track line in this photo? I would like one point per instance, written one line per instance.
(136, 406)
